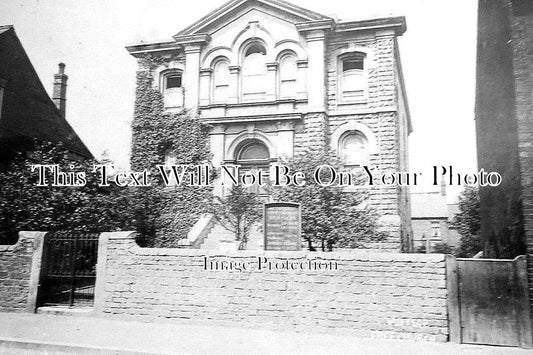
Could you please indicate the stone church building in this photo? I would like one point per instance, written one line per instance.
(273, 79)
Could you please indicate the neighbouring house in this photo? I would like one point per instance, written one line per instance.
(431, 218)
(504, 126)
(273, 79)
(27, 113)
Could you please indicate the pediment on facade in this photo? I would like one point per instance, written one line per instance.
(236, 8)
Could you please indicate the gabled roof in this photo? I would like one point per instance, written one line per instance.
(303, 15)
(5, 28)
(27, 110)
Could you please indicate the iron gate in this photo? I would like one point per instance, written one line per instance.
(69, 269)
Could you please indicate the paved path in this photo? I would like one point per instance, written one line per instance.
(54, 334)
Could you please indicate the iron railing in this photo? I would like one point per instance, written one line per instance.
(69, 269)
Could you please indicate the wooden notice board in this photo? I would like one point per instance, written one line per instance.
(282, 226)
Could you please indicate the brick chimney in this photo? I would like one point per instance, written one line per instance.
(60, 89)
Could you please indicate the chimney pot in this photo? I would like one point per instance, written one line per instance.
(60, 89)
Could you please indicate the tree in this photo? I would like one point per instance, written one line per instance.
(331, 216)
(467, 223)
(26, 206)
(237, 212)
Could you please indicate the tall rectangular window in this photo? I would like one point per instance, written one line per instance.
(287, 77)
(353, 81)
(221, 80)
(254, 73)
(172, 89)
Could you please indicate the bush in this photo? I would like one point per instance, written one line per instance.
(330, 215)
(26, 206)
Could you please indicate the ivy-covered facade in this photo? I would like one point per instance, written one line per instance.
(258, 81)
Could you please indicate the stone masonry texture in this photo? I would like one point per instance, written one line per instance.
(15, 271)
(386, 295)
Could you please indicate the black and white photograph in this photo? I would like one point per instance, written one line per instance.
(266, 177)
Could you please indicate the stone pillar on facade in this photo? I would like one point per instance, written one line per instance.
(217, 147)
(205, 86)
(301, 89)
(285, 139)
(316, 71)
(192, 75)
(272, 69)
(234, 72)
(192, 46)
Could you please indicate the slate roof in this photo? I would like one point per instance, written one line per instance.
(27, 110)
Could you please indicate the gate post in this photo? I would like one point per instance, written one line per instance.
(35, 274)
(452, 288)
(101, 266)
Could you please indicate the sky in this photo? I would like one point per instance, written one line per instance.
(438, 54)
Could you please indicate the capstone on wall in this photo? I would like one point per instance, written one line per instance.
(385, 295)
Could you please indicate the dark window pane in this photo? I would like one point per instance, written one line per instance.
(174, 81)
(254, 151)
(255, 48)
(350, 64)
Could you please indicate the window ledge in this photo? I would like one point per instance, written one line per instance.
(174, 109)
(354, 102)
(254, 103)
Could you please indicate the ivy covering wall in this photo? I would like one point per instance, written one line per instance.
(172, 210)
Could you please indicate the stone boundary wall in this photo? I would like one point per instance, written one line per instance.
(20, 266)
(385, 295)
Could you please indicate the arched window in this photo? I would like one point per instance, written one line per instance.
(353, 148)
(252, 157)
(287, 76)
(221, 80)
(353, 77)
(254, 73)
(253, 152)
(171, 88)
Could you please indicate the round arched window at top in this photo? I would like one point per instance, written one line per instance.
(255, 48)
(254, 73)
(254, 151)
(221, 79)
(353, 148)
(287, 76)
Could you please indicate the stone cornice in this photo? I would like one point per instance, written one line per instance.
(315, 25)
(198, 39)
(205, 71)
(397, 24)
(260, 118)
(148, 47)
(302, 63)
(272, 66)
(234, 69)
